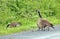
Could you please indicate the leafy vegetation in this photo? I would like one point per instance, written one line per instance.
(24, 11)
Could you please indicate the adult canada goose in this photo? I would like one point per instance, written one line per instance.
(43, 23)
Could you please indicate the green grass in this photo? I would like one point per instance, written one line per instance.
(54, 20)
(24, 11)
(27, 25)
(4, 31)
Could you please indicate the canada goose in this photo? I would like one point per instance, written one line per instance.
(13, 24)
(43, 23)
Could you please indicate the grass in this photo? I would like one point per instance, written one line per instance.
(16, 10)
(5, 31)
(27, 25)
(54, 20)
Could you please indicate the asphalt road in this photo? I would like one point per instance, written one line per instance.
(52, 34)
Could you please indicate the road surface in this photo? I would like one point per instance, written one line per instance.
(52, 34)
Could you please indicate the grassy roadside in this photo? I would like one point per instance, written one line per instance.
(28, 25)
